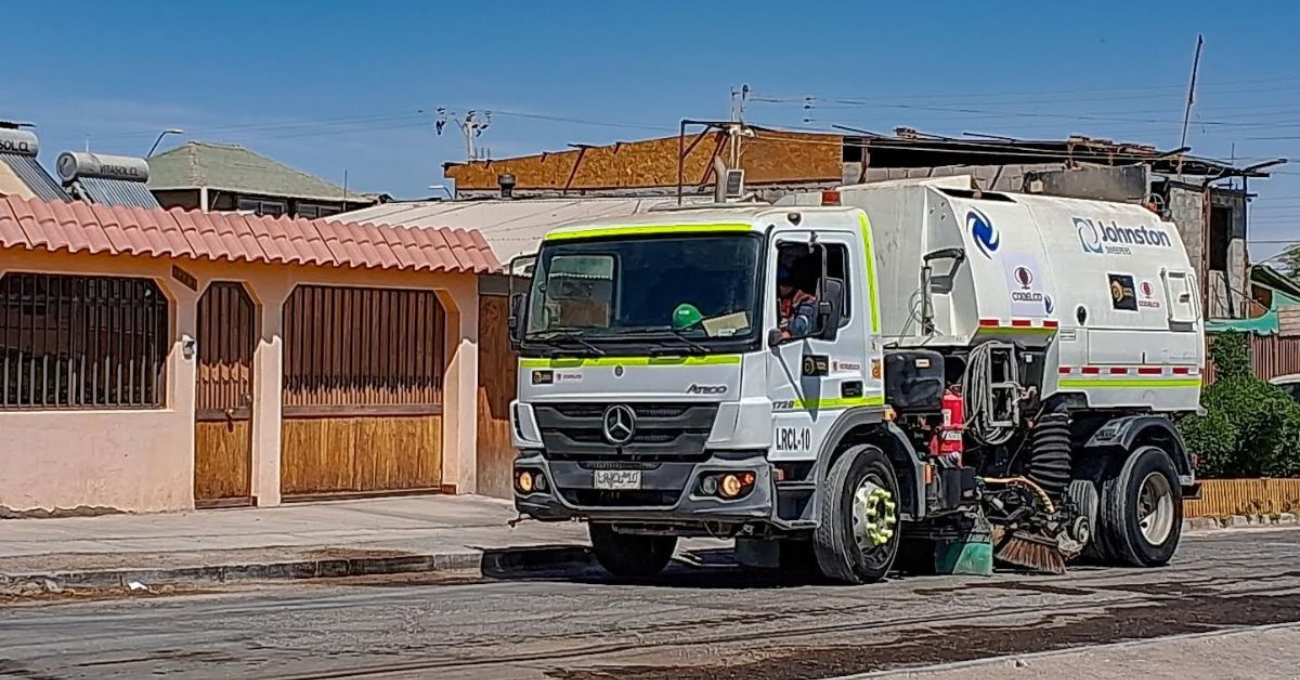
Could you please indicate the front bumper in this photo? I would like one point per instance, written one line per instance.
(667, 494)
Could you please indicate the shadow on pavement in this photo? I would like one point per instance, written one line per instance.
(693, 569)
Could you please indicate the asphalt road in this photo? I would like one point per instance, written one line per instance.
(1226, 595)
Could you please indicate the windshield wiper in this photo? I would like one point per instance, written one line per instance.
(695, 347)
(567, 336)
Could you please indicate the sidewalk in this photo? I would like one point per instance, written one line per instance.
(426, 533)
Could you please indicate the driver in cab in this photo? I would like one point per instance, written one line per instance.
(797, 309)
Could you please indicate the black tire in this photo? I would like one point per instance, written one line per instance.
(838, 555)
(1083, 493)
(630, 555)
(1119, 534)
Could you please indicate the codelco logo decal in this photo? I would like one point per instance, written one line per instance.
(1025, 277)
(1099, 237)
(1148, 300)
(986, 236)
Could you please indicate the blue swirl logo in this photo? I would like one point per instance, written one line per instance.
(987, 238)
(1089, 237)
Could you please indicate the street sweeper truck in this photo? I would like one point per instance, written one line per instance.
(916, 372)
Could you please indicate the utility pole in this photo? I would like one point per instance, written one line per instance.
(1191, 97)
(738, 100)
(472, 125)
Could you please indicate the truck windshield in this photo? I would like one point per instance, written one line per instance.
(679, 291)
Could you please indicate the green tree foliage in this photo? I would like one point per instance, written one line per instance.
(1289, 261)
(1251, 428)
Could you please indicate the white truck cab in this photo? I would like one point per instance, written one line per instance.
(840, 378)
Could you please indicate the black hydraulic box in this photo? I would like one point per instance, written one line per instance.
(914, 380)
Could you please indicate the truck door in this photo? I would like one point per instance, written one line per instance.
(1183, 304)
(1180, 292)
(812, 380)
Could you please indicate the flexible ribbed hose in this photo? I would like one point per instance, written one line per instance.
(1037, 490)
(978, 388)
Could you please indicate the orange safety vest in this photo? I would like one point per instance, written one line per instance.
(791, 304)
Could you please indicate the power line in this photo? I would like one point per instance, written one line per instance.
(377, 121)
(810, 104)
(254, 127)
(581, 121)
(1146, 92)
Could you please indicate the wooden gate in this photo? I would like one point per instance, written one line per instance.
(223, 450)
(497, 371)
(363, 370)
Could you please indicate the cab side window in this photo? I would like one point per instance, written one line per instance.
(798, 279)
(837, 267)
(799, 285)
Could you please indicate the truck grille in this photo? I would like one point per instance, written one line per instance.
(664, 431)
(592, 498)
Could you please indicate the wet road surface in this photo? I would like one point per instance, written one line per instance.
(693, 623)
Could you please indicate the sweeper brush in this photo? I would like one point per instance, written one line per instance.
(1030, 551)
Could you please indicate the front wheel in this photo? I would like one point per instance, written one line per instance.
(630, 555)
(857, 539)
(1141, 514)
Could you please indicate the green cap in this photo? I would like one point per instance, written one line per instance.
(685, 316)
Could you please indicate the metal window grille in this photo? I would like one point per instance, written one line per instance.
(81, 342)
(362, 347)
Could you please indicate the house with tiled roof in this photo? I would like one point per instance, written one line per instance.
(156, 360)
(225, 177)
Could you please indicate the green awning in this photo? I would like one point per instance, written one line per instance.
(1267, 324)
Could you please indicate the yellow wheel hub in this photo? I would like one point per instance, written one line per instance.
(875, 514)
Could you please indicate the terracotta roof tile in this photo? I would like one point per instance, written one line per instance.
(83, 227)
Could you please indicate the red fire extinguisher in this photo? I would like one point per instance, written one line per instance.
(947, 441)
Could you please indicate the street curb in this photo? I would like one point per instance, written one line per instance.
(498, 564)
(494, 564)
(1199, 524)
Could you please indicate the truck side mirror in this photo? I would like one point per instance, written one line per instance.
(520, 270)
(830, 309)
(516, 313)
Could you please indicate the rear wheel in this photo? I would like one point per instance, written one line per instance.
(1083, 494)
(630, 555)
(1140, 520)
(857, 540)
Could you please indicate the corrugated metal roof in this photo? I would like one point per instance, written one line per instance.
(34, 176)
(511, 227)
(85, 227)
(115, 192)
(233, 168)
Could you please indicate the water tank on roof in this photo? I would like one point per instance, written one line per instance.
(74, 164)
(19, 142)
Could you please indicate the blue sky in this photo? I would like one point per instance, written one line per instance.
(330, 86)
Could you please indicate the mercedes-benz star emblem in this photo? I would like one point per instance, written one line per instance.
(619, 424)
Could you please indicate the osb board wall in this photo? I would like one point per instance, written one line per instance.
(361, 454)
(497, 375)
(768, 157)
(1222, 497)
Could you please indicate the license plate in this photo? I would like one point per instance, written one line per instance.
(618, 480)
